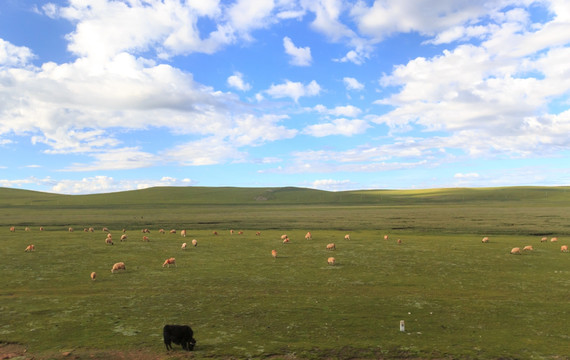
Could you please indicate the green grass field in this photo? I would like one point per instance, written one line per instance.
(459, 298)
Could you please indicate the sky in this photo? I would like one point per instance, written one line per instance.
(111, 95)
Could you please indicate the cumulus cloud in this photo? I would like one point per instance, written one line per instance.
(94, 184)
(466, 176)
(117, 159)
(105, 184)
(490, 98)
(343, 127)
(352, 84)
(384, 18)
(236, 81)
(294, 90)
(353, 56)
(330, 184)
(168, 28)
(300, 56)
(347, 110)
(14, 56)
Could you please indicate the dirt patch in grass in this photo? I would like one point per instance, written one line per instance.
(11, 351)
(19, 352)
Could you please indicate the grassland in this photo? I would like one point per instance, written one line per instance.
(459, 298)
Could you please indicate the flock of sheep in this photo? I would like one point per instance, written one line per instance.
(285, 239)
(331, 260)
(172, 261)
(109, 241)
(518, 251)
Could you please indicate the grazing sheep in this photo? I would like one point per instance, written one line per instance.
(168, 262)
(231, 232)
(385, 237)
(331, 246)
(183, 233)
(173, 231)
(331, 261)
(161, 231)
(544, 239)
(91, 229)
(85, 230)
(308, 236)
(528, 248)
(516, 251)
(347, 237)
(145, 238)
(12, 229)
(554, 239)
(30, 247)
(194, 242)
(240, 233)
(284, 236)
(93, 275)
(109, 241)
(274, 254)
(109, 236)
(105, 229)
(183, 246)
(124, 231)
(118, 266)
(215, 233)
(485, 240)
(42, 228)
(258, 233)
(27, 229)
(124, 237)
(286, 240)
(564, 248)
(70, 229)
(399, 241)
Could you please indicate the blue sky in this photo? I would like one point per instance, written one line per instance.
(110, 95)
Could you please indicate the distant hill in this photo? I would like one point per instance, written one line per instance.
(513, 210)
(288, 195)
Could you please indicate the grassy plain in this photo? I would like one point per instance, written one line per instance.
(459, 298)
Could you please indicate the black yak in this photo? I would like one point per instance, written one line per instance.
(180, 335)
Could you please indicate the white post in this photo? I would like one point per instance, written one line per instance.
(402, 326)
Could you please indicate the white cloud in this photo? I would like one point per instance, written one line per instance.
(353, 56)
(300, 56)
(352, 84)
(93, 184)
(330, 184)
(236, 81)
(461, 33)
(343, 127)
(105, 184)
(347, 110)
(247, 15)
(294, 90)
(427, 17)
(327, 14)
(69, 107)
(117, 159)
(14, 56)
(491, 99)
(206, 151)
(466, 176)
(168, 27)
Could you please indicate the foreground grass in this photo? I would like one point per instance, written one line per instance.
(459, 298)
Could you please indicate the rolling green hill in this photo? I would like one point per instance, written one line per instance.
(524, 210)
(289, 195)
